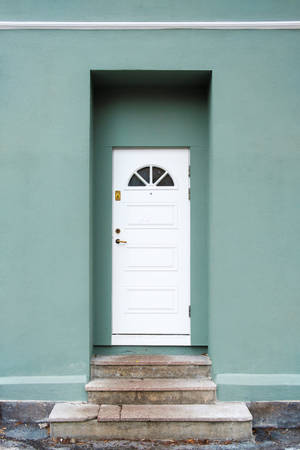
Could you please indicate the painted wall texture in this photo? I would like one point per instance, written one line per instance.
(45, 187)
(149, 10)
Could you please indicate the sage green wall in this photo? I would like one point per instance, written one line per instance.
(254, 196)
(148, 10)
(153, 117)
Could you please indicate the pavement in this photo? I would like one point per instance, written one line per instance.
(36, 436)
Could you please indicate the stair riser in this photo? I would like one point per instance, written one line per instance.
(152, 398)
(150, 371)
(233, 431)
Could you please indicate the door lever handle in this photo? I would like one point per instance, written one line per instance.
(120, 242)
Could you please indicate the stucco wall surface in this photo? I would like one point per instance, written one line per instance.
(254, 229)
(149, 10)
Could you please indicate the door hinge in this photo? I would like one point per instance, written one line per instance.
(189, 310)
(189, 194)
(189, 171)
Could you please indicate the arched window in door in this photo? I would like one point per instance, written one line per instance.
(152, 176)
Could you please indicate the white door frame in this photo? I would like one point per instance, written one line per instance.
(153, 339)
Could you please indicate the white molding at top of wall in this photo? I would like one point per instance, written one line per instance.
(219, 25)
(41, 379)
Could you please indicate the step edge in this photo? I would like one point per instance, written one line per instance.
(213, 389)
(97, 362)
(92, 387)
(178, 420)
(243, 416)
(152, 419)
(58, 416)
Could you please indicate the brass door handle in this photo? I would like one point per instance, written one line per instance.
(120, 242)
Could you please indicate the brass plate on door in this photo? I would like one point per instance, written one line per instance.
(117, 196)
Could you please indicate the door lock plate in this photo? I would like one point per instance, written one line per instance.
(117, 196)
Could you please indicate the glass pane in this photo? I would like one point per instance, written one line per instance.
(166, 181)
(157, 173)
(135, 181)
(145, 173)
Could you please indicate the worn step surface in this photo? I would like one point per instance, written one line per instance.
(150, 366)
(151, 390)
(223, 420)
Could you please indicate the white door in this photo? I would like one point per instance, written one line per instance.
(151, 247)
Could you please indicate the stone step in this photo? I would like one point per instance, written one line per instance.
(223, 421)
(151, 391)
(150, 366)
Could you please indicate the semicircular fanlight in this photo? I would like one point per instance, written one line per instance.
(151, 175)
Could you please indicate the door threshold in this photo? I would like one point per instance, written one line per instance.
(148, 339)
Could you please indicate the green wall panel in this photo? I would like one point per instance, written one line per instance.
(254, 184)
(149, 10)
(157, 117)
(102, 273)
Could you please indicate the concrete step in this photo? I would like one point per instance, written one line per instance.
(150, 366)
(223, 421)
(151, 390)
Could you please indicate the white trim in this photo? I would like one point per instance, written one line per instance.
(217, 25)
(148, 339)
(52, 379)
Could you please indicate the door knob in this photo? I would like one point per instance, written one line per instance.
(120, 242)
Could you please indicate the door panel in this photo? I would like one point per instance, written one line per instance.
(151, 268)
